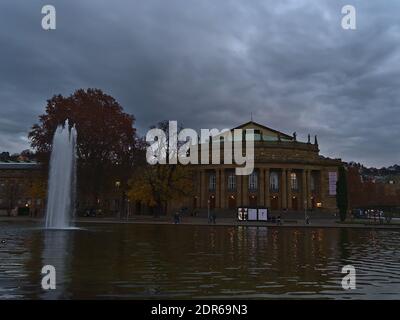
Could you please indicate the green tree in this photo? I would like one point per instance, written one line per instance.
(341, 193)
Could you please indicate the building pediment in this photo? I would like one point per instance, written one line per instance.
(264, 133)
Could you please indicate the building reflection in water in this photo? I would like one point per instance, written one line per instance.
(168, 261)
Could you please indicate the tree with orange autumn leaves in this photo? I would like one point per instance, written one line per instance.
(106, 143)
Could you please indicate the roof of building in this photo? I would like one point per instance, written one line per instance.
(18, 165)
(255, 124)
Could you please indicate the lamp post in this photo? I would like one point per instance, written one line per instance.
(208, 210)
(117, 186)
(128, 211)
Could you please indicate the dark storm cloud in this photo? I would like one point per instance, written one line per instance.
(212, 63)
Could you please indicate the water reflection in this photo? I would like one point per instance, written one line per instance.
(168, 261)
(58, 252)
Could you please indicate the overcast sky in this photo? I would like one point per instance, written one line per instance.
(209, 63)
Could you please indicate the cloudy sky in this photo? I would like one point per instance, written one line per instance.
(209, 63)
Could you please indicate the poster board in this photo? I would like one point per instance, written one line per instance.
(263, 214)
(242, 214)
(252, 214)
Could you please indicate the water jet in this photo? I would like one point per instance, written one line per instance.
(62, 178)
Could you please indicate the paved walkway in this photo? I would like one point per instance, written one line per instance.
(316, 223)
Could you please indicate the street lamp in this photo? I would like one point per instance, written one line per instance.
(208, 210)
(127, 214)
(118, 187)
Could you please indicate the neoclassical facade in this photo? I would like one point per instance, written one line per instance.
(16, 180)
(288, 175)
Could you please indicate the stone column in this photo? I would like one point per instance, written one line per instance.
(239, 193)
(304, 187)
(267, 194)
(217, 189)
(198, 188)
(283, 189)
(289, 189)
(261, 187)
(323, 187)
(308, 189)
(203, 186)
(318, 185)
(223, 187)
(245, 188)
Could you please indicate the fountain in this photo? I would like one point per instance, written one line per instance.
(62, 178)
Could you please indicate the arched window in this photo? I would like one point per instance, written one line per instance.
(253, 181)
(274, 181)
(294, 182)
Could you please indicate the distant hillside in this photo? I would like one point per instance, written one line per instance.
(381, 174)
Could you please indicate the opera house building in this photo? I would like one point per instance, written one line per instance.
(288, 175)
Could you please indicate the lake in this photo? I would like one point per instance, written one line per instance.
(137, 261)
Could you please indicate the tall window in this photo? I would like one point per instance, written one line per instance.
(274, 181)
(253, 181)
(312, 183)
(231, 182)
(294, 182)
(212, 182)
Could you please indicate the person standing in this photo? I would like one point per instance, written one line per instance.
(176, 217)
(214, 217)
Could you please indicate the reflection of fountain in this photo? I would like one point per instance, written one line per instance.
(57, 252)
(62, 178)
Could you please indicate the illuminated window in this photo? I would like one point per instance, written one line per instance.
(253, 181)
(294, 181)
(274, 181)
(231, 182)
(212, 182)
(312, 183)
